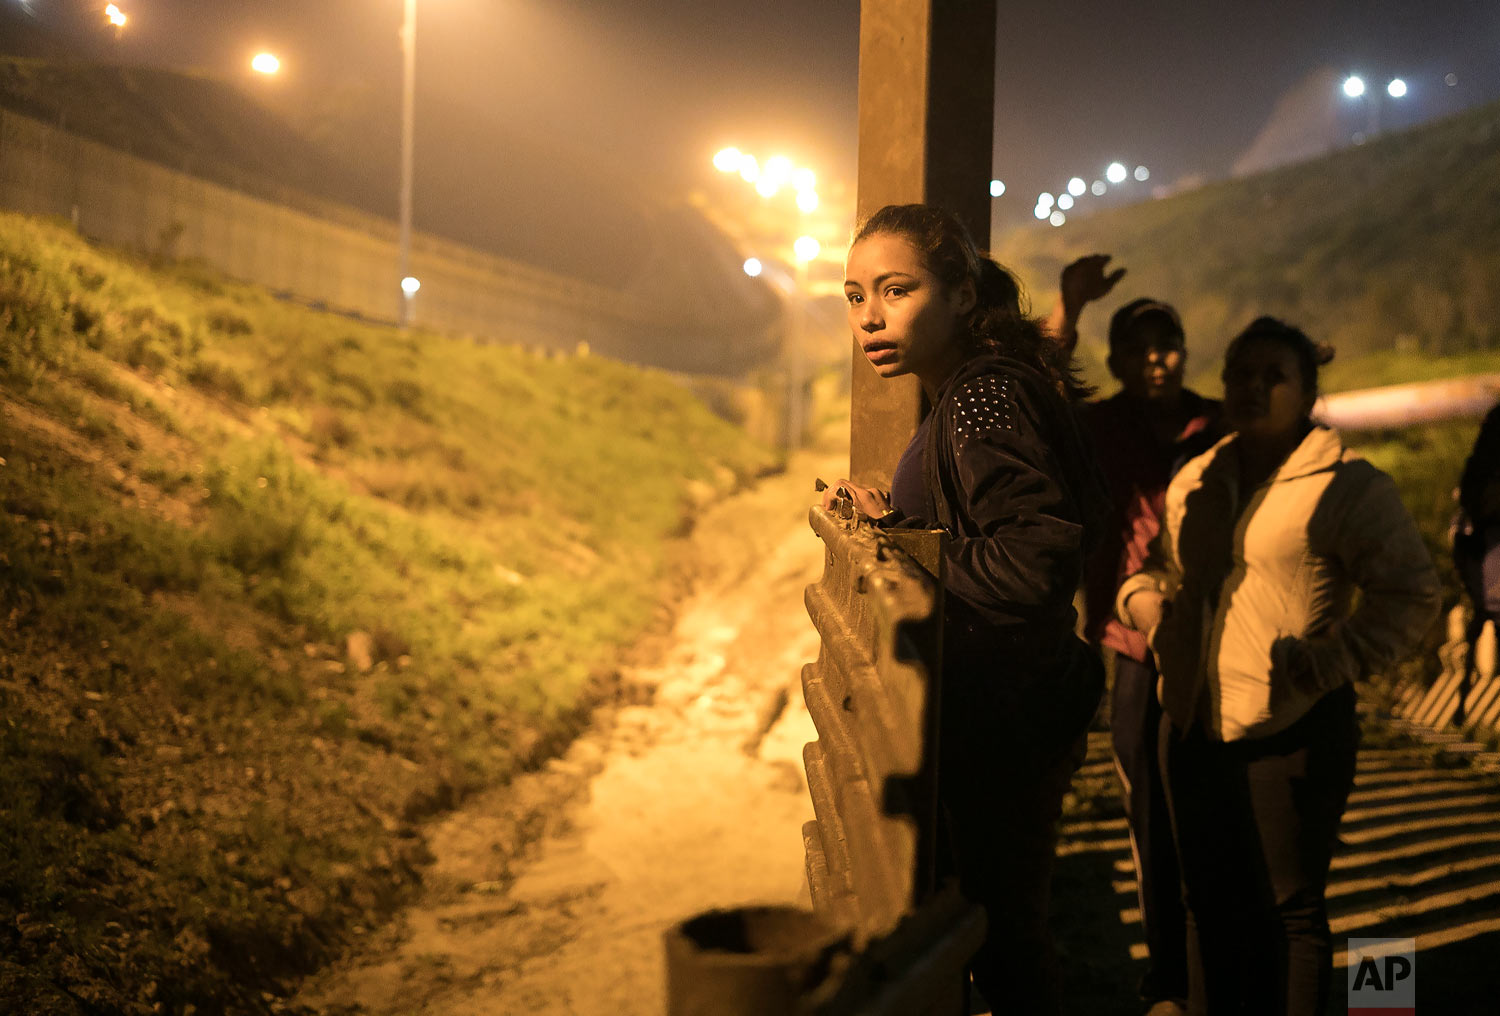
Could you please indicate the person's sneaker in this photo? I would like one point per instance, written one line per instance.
(1167, 1007)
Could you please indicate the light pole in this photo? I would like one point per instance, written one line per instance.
(408, 118)
(805, 249)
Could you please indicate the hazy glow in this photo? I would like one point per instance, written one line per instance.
(778, 168)
(749, 168)
(1142, 173)
(1044, 200)
(807, 200)
(1057, 218)
(265, 63)
(410, 285)
(767, 186)
(1116, 173)
(752, 267)
(727, 160)
(1076, 187)
(1041, 211)
(1354, 86)
(1397, 88)
(1098, 187)
(115, 15)
(804, 179)
(997, 188)
(1065, 202)
(806, 248)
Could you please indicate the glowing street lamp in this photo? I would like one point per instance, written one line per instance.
(997, 188)
(752, 267)
(807, 200)
(1076, 186)
(1396, 89)
(265, 63)
(1354, 86)
(1116, 172)
(116, 17)
(727, 160)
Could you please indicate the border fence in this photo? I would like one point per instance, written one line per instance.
(337, 257)
(883, 937)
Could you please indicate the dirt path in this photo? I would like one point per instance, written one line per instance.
(551, 896)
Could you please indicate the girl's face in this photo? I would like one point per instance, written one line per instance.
(903, 318)
(1265, 394)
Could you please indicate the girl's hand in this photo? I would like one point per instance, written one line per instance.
(869, 500)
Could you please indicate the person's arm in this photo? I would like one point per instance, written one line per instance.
(1025, 560)
(1374, 539)
(1081, 283)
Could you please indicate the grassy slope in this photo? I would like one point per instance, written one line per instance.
(1391, 246)
(203, 493)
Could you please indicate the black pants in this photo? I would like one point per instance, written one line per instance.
(1256, 822)
(1001, 834)
(1134, 719)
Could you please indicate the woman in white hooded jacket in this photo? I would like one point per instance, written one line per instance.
(1250, 608)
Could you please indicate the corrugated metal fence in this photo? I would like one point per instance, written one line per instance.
(335, 256)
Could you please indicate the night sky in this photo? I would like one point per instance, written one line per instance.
(633, 98)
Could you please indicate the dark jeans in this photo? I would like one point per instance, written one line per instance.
(1001, 833)
(1134, 719)
(1256, 822)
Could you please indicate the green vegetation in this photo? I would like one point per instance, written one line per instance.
(275, 585)
(1387, 247)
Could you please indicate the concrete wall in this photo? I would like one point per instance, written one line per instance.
(312, 250)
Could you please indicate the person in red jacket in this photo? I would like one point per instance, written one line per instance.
(1142, 434)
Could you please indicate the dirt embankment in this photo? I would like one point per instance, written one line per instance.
(686, 793)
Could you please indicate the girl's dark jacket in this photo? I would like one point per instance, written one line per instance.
(1009, 474)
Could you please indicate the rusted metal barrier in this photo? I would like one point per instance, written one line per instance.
(884, 939)
(874, 699)
(1460, 710)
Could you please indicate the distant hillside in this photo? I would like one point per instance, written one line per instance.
(1394, 246)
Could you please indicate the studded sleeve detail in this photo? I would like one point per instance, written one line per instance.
(1017, 556)
(983, 405)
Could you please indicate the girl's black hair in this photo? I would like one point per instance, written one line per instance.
(1310, 355)
(1000, 321)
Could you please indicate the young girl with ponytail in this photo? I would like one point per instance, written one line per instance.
(1000, 463)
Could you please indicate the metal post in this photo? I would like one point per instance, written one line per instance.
(796, 330)
(408, 118)
(926, 134)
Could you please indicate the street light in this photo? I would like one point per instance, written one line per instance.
(1396, 89)
(1354, 86)
(408, 130)
(805, 248)
(116, 18)
(265, 63)
(1116, 172)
